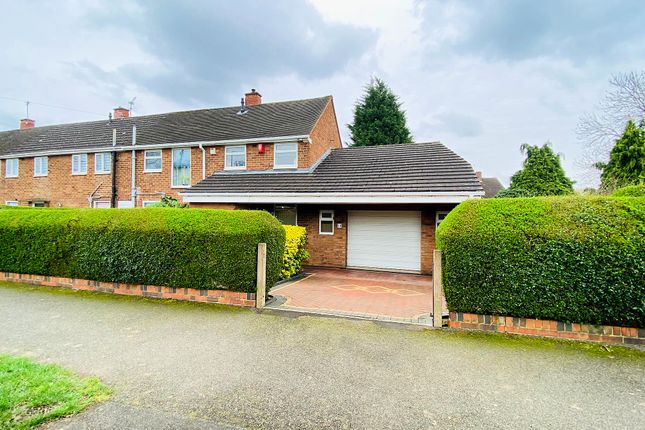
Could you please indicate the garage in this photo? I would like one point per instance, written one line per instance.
(385, 240)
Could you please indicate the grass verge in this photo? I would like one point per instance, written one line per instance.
(33, 393)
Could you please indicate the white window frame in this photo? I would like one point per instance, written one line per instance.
(79, 157)
(172, 167)
(46, 160)
(6, 167)
(95, 203)
(102, 155)
(437, 220)
(147, 203)
(321, 219)
(276, 149)
(226, 166)
(11, 203)
(147, 157)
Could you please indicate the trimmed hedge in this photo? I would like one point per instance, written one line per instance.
(295, 251)
(191, 248)
(571, 259)
(630, 191)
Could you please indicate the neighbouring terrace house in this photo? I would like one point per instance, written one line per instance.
(372, 207)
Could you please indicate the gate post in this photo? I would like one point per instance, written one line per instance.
(437, 290)
(261, 286)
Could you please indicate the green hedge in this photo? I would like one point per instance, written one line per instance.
(572, 259)
(193, 248)
(295, 251)
(630, 191)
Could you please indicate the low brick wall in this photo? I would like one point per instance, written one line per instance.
(547, 328)
(224, 297)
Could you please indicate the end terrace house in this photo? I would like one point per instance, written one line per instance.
(365, 207)
(133, 161)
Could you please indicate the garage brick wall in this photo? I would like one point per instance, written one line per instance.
(331, 251)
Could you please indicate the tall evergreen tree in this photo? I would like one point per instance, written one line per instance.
(378, 117)
(626, 164)
(541, 175)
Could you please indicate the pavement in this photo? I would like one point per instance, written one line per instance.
(396, 297)
(212, 367)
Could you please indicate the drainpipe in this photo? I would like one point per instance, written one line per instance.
(201, 146)
(113, 198)
(134, 167)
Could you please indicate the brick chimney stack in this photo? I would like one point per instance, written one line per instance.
(27, 123)
(479, 176)
(121, 112)
(253, 98)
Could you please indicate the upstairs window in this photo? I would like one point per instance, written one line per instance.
(285, 156)
(326, 222)
(181, 167)
(102, 162)
(235, 158)
(11, 168)
(152, 161)
(41, 166)
(79, 164)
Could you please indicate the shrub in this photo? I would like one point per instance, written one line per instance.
(572, 259)
(295, 251)
(193, 248)
(630, 191)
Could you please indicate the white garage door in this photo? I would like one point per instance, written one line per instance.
(384, 240)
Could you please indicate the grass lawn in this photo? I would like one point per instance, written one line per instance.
(32, 393)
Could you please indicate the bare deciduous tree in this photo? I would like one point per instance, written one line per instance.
(599, 130)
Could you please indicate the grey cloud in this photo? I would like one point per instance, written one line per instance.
(579, 30)
(209, 49)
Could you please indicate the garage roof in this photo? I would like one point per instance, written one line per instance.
(403, 168)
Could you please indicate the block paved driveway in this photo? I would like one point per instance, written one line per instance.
(374, 295)
(193, 366)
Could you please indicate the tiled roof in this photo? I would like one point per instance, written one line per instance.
(418, 167)
(269, 120)
(491, 186)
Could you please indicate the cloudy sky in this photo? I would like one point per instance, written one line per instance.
(481, 76)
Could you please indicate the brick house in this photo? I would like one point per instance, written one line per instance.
(375, 207)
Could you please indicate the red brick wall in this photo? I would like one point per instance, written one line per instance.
(225, 297)
(59, 187)
(324, 135)
(548, 328)
(324, 250)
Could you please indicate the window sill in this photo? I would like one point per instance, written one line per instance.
(79, 174)
(152, 171)
(40, 176)
(102, 173)
(285, 167)
(180, 186)
(234, 168)
(11, 177)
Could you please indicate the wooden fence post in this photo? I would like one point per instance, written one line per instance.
(261, 290)
(437, 290)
